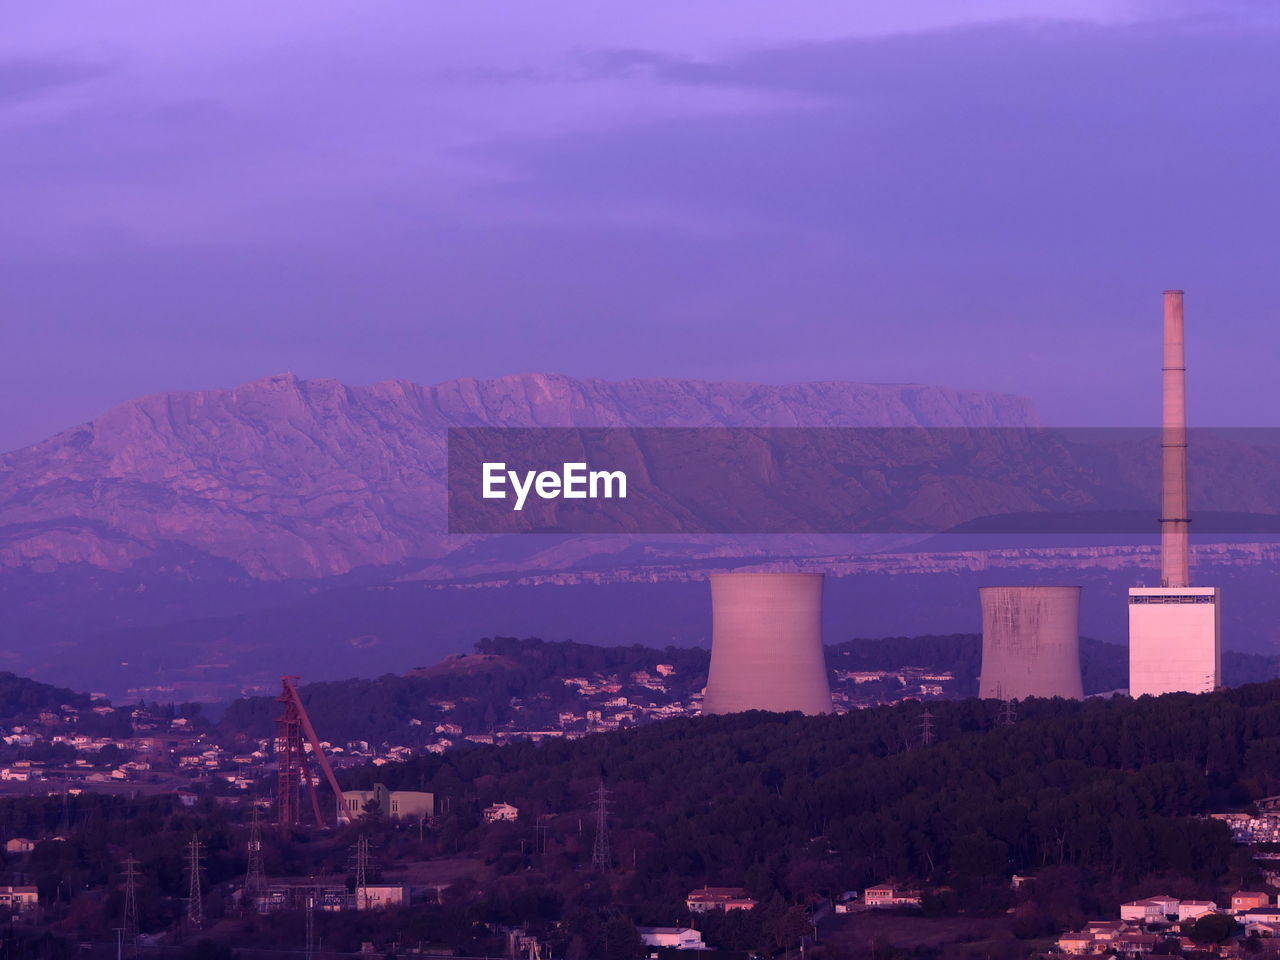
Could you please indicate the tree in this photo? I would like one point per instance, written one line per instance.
(621, 940)
(1213, 928)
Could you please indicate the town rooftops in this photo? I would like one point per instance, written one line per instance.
(668, 930)
(717, 893)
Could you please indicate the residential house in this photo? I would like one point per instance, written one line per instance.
(1259, 915)
(1130, 944)
(719, 898)
(18, 899)
(888, 895)
(1191, 909)
(1080, 943)
(1150, 909)
(1243, 900)
(501, 811)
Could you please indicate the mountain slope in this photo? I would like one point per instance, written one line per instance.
(293, 478)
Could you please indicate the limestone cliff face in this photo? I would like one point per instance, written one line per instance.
(293, 478)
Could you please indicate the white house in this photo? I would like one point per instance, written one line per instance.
(501, 811)
(679, 938)
(1191, 909)
(1150, 909)
(1259, 915)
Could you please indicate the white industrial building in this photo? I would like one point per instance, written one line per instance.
(672, 938)
(392, 804)
(1175, 641)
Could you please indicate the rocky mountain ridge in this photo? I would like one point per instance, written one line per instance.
(287, 478)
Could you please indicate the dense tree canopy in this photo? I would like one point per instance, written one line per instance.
(794, 806)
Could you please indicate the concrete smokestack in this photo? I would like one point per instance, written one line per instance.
(1030, 643)
(1174, 523)
(1175, 636)
(766, 644)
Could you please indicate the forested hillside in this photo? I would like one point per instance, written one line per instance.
(478, 687)
(1100, 799)
(22, 697)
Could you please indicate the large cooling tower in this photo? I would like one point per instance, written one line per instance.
(766, 644)
(1030, 642)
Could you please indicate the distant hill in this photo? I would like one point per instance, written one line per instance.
(480, 686)
(23, 698)
(292, 478)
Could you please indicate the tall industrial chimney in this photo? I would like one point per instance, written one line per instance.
(1175, 642)
(1174, 523)
(766, 644)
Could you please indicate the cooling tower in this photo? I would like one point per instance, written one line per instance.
(766, 644)
(1030, 642)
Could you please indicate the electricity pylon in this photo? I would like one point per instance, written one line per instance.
(255, 877)
(195, 900)
(600, 850)
(129, 934)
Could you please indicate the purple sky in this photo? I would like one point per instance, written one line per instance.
(980, 194)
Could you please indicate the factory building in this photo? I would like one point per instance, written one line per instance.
(391, 804)
(1030, 642)
(766, 644)
(1175, 640)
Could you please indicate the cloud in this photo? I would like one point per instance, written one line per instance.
(696, 194)
(23, 79)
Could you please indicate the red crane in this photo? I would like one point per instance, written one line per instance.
(292, 758)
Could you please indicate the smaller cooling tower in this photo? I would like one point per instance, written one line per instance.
(1030, 642)
(766, 644)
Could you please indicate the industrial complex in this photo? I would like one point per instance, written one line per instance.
(767, 651)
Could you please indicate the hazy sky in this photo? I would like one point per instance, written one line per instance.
(980, 194)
